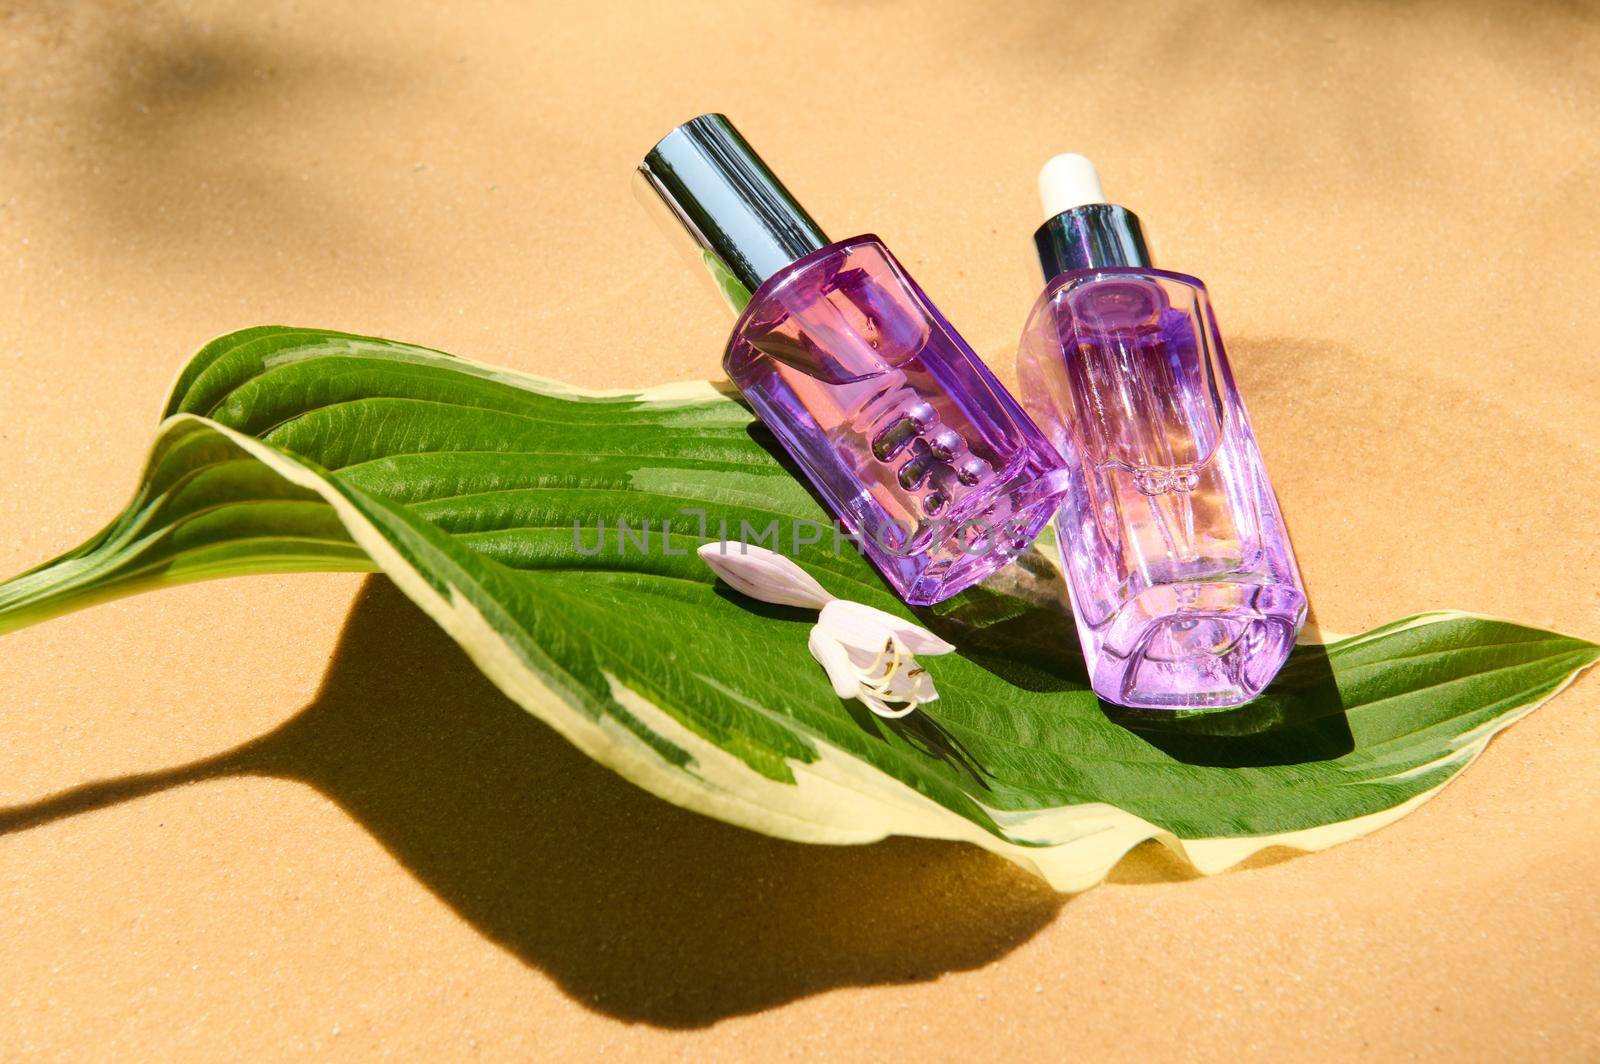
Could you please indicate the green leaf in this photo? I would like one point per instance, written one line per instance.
(289, 449)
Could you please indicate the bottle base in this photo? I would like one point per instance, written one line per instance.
(970, 549)
(1197, 646)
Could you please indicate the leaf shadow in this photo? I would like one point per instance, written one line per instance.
(636, 908)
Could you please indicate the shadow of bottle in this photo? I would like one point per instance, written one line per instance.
(636, 908)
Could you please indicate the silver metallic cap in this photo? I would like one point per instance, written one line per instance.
(1088, 237)
(743, 224)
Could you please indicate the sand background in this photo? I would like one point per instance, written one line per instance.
(1395, 207)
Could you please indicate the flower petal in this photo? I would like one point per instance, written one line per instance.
(763, 574)
(833, 657)
(919, 688)
(865, 628)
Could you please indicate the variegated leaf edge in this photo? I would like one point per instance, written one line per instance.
(836, 798)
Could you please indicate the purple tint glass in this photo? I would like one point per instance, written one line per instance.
(902, 430)
(1183, 582)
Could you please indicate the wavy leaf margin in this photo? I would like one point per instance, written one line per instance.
(833, 797)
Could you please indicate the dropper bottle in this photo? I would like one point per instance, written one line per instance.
(1183, 581)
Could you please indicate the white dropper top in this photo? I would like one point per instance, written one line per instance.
(1068, 181)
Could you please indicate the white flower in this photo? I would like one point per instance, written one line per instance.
(867, 653)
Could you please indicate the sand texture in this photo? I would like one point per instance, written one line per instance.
(284, 814)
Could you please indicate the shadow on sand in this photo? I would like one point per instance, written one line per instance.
(636, 908)
(652, 914)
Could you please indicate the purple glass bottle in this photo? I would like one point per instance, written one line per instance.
(1182, 579)
(908, 437)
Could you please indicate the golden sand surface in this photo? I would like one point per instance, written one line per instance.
(1397, 208)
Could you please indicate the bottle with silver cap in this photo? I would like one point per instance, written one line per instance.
(1183, 582)
(907, 436)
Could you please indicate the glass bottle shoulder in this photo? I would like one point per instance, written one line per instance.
(842, 313)
(1075, 278)
(1163, 288)
(778, 289)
